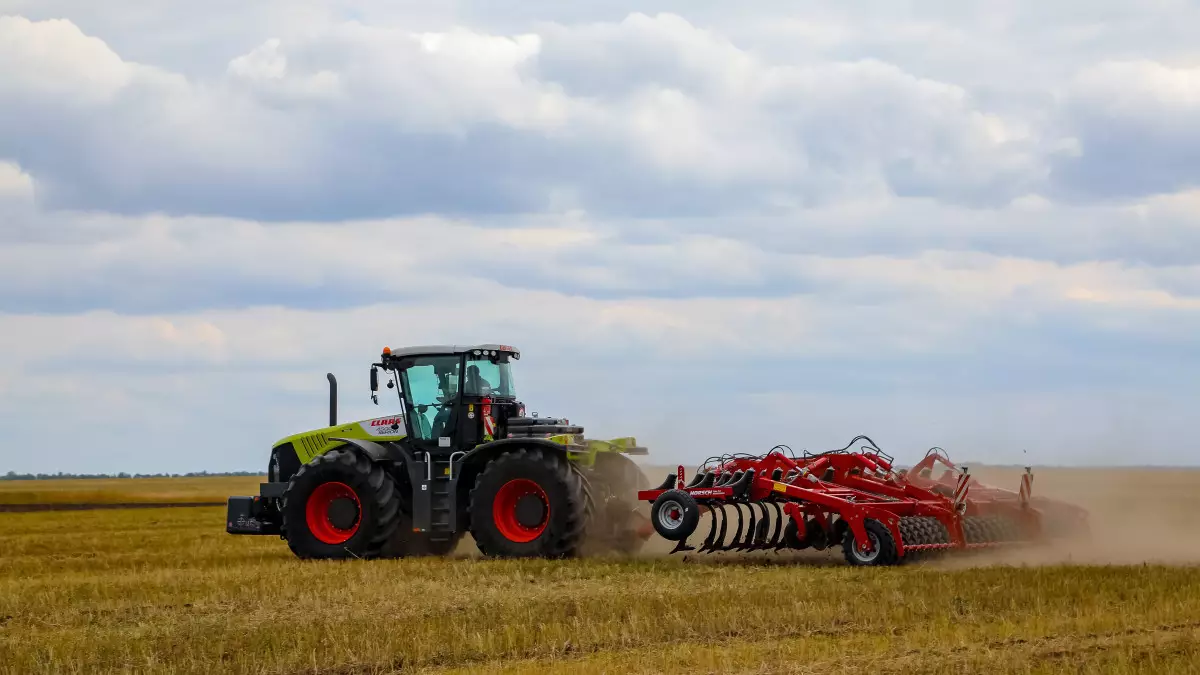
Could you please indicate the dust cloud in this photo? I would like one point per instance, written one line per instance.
(1137, 515)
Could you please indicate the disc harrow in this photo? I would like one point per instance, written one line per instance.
(855, 499)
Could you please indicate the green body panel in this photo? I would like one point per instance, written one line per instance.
(583, 451)
(312, 444)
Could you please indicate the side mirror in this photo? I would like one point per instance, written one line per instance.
(374, 384)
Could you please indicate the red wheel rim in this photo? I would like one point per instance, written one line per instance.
(504, 510)
(317, 512)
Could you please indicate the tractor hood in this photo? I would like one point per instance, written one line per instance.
(310, 444)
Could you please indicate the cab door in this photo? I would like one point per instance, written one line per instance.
(432, 386)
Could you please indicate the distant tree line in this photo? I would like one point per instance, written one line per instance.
(12, 475)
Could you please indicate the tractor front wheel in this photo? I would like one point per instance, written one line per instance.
(528, 503)
(340, 505)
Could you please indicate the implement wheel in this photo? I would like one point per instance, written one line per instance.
(340, 505)
(528, 504)
(883, 547)
(675, 515)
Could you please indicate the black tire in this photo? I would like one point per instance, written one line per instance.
(884, 546)
(615, 481)
(378, 506)
(675, 515)
(565, 502)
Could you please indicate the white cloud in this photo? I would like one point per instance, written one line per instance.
(872, 216)
(1133, 121)
(15, 184)
(320, 120)
(56, 60)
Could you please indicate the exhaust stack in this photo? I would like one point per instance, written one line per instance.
(332, 399)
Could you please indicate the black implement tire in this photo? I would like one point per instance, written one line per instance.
(528, 503)
(334, 489)
(884, 552)
(675, 515)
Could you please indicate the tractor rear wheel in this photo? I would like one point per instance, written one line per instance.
(528, 503)
(340, 505)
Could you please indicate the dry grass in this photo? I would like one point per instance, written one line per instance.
(126, 490)
(167, 591)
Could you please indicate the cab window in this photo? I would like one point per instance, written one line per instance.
(485, 377)
(431, 386)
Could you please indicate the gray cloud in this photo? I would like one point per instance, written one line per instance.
(716, 228)
(360, 121)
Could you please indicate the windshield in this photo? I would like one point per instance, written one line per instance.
(486, 378)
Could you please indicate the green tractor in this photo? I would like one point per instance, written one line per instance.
(460, 456)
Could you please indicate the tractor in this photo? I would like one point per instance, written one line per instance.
(460, 455)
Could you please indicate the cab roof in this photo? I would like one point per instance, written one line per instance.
(451, 350)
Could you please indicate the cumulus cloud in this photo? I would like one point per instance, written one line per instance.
(383, 121)
(1133, 120)
(939, 226)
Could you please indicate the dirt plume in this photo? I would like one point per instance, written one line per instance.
(1138, 515)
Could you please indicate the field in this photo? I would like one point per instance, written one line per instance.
(115, 491)
(165, 590)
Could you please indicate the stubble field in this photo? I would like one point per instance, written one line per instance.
(165, 590)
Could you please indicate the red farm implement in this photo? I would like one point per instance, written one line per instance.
(856, 499)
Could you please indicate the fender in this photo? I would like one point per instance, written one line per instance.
(467, 467)
(491, 448)
(394, 452)
(371, 449)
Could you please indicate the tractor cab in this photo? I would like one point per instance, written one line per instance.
(453, 397)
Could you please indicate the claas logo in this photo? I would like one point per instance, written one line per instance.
(387, 422)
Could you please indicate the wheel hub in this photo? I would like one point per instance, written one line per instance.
(343, 513)
(530, 510)
(333, 513)
(521, 510)
(671, 515)
(865, 555)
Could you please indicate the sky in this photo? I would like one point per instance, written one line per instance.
(711, 227)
